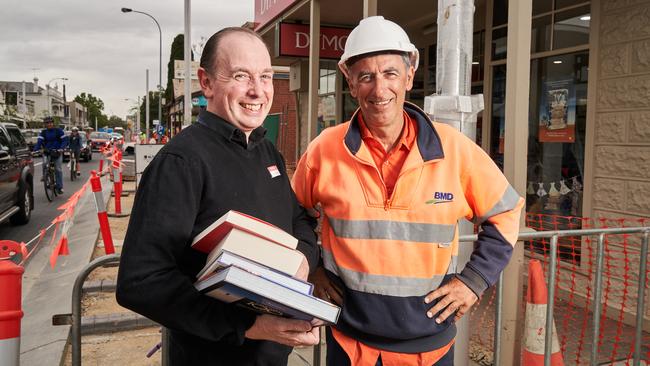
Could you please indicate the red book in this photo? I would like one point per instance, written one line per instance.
(213, 234)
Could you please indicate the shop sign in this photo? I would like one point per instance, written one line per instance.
(267, 10)
(199, 101)
(294, 41)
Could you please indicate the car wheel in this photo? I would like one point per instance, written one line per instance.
(24, 204)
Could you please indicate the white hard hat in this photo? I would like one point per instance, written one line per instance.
(377, 34)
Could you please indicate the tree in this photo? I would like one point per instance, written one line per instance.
(115, 121)
(177, 53)
(95, 107)
(153, 110)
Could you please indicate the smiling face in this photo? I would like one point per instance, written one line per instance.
(379, 83)
(240, 89)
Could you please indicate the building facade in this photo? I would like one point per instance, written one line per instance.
(565, 85)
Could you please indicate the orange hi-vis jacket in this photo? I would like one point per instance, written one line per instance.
(388, 253)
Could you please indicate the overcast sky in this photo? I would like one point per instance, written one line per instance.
(99, 49)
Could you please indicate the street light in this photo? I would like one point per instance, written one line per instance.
(129, 10)
(49, 101)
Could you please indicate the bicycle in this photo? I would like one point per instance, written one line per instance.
(49, 177)
(73, 165)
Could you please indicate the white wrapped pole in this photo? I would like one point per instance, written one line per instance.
(452, 104)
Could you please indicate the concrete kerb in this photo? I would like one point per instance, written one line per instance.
(50, 293)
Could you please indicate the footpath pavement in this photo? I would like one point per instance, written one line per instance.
(48, 291)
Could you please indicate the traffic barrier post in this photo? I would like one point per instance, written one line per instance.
(105, 229)
(10, 303)
(117, 185)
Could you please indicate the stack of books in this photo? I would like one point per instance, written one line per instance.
(251, 262)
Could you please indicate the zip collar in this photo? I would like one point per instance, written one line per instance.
(428, 140)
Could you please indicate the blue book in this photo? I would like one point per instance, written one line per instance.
(227, 258)
(236, 285)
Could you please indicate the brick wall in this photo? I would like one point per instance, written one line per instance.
(621, 170)
(622, 126)
(284, 102)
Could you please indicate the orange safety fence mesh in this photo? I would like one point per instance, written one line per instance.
(574, 289)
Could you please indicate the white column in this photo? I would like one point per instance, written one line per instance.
(314, 68)
(515, 152)
(187, 104)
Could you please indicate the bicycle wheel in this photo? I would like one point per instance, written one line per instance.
(49, 184)
(73, 168)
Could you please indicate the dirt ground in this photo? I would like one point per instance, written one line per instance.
(119, 348)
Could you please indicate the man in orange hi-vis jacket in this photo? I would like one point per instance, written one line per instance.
(392, 186)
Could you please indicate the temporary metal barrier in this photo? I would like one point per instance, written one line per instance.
(554, 235)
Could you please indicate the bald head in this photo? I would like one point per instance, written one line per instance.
(211, 49)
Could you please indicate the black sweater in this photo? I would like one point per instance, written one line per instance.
(197, 177)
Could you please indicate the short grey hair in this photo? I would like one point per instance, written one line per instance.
(406, 57)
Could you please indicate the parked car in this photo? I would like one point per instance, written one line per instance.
(31, 136)
(16, 176)
(86, 151)
(99, 140)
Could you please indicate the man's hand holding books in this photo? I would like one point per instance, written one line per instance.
(290, 332)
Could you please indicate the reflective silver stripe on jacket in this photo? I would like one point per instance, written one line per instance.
(386, 285)
(507, 202)
(393, 230)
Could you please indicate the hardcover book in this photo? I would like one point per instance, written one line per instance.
(258, 249)
(227, 258)
(235, 285)
(213, 234)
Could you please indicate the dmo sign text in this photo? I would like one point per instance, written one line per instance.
(294, 41)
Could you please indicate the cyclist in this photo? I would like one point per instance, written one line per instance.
(52, 139)
(75, 147)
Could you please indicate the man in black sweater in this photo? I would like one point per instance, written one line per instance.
(220, 163)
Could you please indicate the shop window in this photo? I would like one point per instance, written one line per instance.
(478, 54)
(327, 80)
(559, 4)
(499, 13)
(567, 28)
(349, 106)
(557, 119)
(571, 27)
(540, 36)
(542, 6)
(431, 68)
(498, 114)
(418, 79)
(499, 43)
(326, 112)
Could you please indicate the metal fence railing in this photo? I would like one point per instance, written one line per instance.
(552, 271)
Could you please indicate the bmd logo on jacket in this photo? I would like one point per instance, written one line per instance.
(441, 197)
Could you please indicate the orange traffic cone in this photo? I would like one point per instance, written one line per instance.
(533, 354)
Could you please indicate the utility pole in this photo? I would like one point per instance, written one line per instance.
(146, 106)
(187, 52)
(452, 104)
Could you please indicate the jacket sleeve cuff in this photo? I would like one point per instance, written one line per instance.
(242, 320)
(472, 279)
